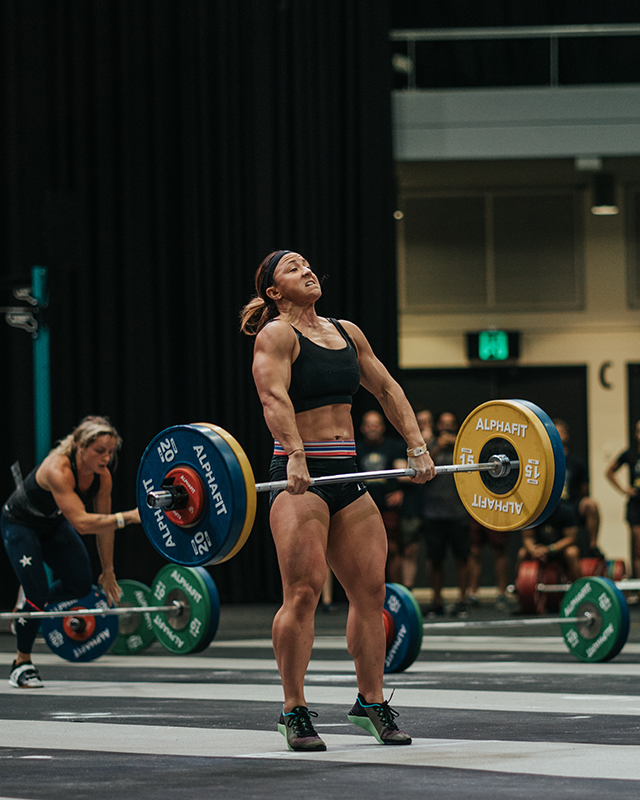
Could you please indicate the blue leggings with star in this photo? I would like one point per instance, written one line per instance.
(29, 548)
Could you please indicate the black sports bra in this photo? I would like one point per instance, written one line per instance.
(321, 376)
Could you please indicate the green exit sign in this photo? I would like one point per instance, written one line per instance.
(493, 345)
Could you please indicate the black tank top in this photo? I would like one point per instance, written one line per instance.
(32, 505)
(321, 376)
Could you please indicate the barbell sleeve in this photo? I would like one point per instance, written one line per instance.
(586, 618)
(556, 588)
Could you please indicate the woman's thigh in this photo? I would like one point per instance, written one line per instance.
(357, 547)
(24, 550)
(299, 526)
(65, 553)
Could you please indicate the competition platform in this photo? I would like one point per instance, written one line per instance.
(492, 715)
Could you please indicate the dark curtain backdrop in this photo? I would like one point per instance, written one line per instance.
(151, 153)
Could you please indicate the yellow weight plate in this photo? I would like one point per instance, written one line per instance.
(520, 426)
(250, 487)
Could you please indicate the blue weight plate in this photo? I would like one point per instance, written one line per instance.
(238, 498)
(222, 521)
(625, 620)
(100, 633)
(559, 461)
(407, 621)
(214, 599)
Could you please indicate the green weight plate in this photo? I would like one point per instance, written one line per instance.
(192, 629)
(604, 637)
(407, 628)
(135, 632)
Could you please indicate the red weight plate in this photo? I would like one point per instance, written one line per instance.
(526, 583)
(389, 627)
(87, 626)
(548, 574)
(189, 479)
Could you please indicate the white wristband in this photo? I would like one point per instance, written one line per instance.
(414, 452)
(120, 523)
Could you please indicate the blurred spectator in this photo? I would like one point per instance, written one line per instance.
(446, 522)
(377, 451)
(412, 510)
(576, 490)
(498, 541)
(630, 457)
(554, 540)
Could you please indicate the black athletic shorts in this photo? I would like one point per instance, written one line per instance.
(633, 510)
(336, 495)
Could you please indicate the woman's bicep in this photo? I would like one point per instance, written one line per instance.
(272, 363)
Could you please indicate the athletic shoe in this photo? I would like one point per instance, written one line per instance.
(25, 676)
(298, 730)
(502, 603)
(460, 610)
(378, 720)
(473, 600)
(435, 610)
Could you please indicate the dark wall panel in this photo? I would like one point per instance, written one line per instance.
(151, 153)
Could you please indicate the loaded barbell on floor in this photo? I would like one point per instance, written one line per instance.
(184, 619)
(197, 496)
(594, 621)
(533, 575)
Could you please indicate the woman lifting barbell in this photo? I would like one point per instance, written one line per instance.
(68, 494)
(306, 369)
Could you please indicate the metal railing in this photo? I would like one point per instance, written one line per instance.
(551, 32)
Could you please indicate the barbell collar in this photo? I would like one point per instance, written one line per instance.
(169, 497)
(176, 607)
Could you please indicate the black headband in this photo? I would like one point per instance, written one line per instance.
(267, 277)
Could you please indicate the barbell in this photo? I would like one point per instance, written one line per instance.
(540, 585)
(197, 495)
(79, 612)
(624, 586)
(594, 620)
(184, 620)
